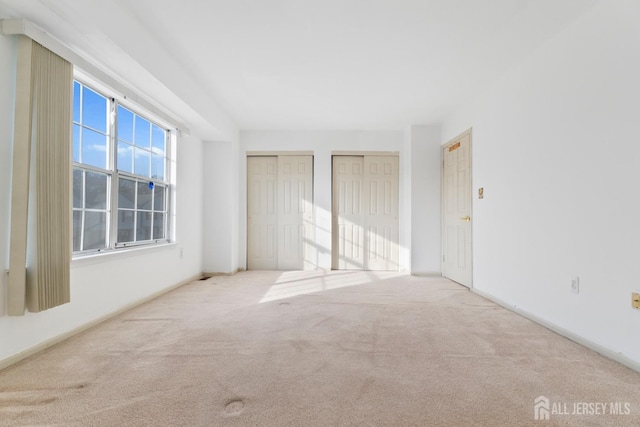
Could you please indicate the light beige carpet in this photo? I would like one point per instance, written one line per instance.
(313, 349)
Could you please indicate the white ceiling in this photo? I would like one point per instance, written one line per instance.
(306, 64)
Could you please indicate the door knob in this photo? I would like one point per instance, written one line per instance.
(466, 218)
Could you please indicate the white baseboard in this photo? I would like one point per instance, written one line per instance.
(618, 357)
(8, 361)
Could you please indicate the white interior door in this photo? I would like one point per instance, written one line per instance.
(381, 212)
(262, 212)
(365, 212)
(348, 214)
(457, 257)
(295, 207)
(280, 213)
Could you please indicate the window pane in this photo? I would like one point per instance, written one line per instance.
(126, 194)
(77, 230)
(77, 188)
(125, 124)
(94, 148)
(95, 190)
(158, 225)
(144, 196)
(157, 167)
(76, 143)
(157, 139)
(126, 226)
(95, 230)
(94, 110)
(158, 199)
(125, 157)
(143, 229)
(142, 161)
(143, 133)
(76, 102)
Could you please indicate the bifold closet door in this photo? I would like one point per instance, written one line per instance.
(280, 212)
(381, 212)
(262, 213)
(348, 214)
(295, 207)
(365, 212)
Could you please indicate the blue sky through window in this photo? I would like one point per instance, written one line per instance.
(141, 144)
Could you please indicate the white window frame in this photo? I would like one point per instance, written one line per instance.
(113, 174)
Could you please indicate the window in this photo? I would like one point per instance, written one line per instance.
(120, 174)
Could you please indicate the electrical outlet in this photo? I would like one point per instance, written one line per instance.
(575, 285)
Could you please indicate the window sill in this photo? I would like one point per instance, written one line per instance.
(112, 255)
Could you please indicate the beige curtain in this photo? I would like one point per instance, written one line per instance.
(40, 246)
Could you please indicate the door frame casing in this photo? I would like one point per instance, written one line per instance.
(444, 147)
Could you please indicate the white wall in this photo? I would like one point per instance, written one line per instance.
(426, 171)
(322, 144)
(554, 147)
(107, 283)
(221, 207)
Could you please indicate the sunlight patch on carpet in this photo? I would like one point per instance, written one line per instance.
(294, 283)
